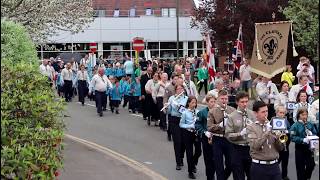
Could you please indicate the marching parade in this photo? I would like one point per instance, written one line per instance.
(234, 140)
(160, 89)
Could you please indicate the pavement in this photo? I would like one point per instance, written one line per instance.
(85, 162)
(123, 147)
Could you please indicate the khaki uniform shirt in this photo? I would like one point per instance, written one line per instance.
(263, 145)
(236, 123)
(215, 116)
(169, 91)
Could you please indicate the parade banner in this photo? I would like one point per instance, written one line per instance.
(269, 57)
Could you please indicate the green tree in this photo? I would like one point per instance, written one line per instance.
(32, 126)
(304, 15)
(16, 44)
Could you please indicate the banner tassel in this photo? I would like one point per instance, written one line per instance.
(295, 54)
(258, 52)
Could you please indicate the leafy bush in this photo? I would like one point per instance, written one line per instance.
(31, 119)
(16, 44)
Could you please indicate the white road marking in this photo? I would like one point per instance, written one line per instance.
(130, 162)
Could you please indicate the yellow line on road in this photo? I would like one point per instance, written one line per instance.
(128, 161)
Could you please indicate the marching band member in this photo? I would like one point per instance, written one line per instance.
(281, 112)
(158, 93)
(301, 103)
(217, 121)
(264, 146)
(189, 137)
(99, 84)
(67, 76)
(303, 85)
(313, 113)
(150, 102)
(170, 91)
(303, 154)
(282, 99)
(116, 93)
(177, 102)
(83, 82)
(190, 86)
(267, 91)
(236, 132)
(205, 135)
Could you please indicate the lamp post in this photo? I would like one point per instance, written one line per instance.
(177, 16)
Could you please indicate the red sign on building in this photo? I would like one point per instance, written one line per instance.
(138, 44)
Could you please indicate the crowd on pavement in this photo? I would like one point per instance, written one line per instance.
(232, 138)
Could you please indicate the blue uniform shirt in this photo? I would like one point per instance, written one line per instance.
(136, 89)
(125, 86)
(175, 105)
(188, 119)
(298, 131)
(116, 93)
(117, 72)
(108, 71)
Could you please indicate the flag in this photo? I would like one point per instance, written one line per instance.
(237, 53)
(210, 59)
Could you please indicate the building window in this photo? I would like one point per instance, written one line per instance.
(116, 13)
(172, 12)
(165, 12)
(132, 12)
(99, 13)
(148, 11)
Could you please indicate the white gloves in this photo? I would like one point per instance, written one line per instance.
(270, 96)
(202, 80)
(208, 134)
(225, 123)
(306, 140)
(269, 84)
(243, 132)
(269, 127)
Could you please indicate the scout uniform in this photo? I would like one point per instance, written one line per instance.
(176, 104)
(216, 124)
(304, 156)
(267, 94)
(201, 128)
(264, 151)
(187, 125)
(240, 156)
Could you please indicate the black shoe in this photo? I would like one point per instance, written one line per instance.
(191, 176)
(286, 178)
(148, 122)
(194, 170)
(178, 168)
(83, 104)
(100, 114)
(117, 112)
(169, 138)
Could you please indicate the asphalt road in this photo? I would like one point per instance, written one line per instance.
(128, 134)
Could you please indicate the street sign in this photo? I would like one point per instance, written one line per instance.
(93, 47)
(138, 44)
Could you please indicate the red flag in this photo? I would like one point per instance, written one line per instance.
(210, 58)
(237, 54)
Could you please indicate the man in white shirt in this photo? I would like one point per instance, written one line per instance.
(100, 84)
(45, 68)
(267, 91)
(85, 60)
(245, 76)
(189, 85)
(303, 84)
(67, 76)
(129, 67)
(304, 65)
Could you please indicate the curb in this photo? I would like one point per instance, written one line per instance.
(126, 160)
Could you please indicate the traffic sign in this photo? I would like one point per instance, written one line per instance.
(138, 44)
(93, 47)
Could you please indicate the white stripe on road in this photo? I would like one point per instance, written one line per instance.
(138, 115)
(128, 161)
